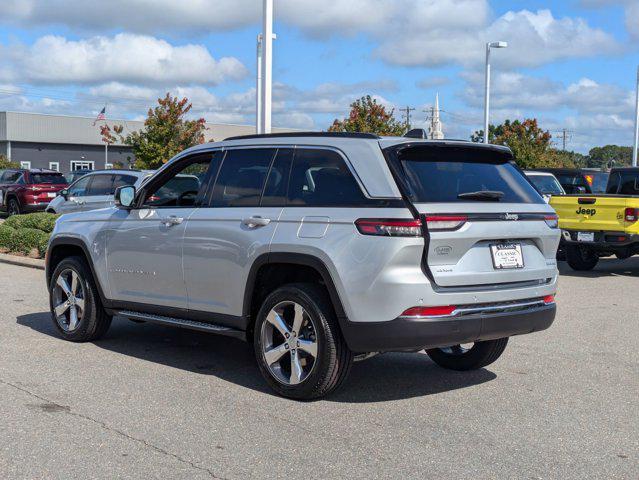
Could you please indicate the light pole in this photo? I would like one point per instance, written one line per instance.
(487, 93)
(267, 66)
(258, 88)
(635, 151)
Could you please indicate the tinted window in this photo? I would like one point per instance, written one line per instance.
(573, 183)
(10, 177)
(184, 186)
(613, 183)
(101, 185)
(79, 188)
(321, 178)
(122, 180)
(48, 178)
(242, 177)
(546, 184)
(597, 181)
(462, 174)
(277, 182)
(628, 184)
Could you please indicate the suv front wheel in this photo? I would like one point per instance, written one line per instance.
(76, 309)
(298, 343)
(468, 357)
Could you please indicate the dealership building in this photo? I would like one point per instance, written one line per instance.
(66, 143)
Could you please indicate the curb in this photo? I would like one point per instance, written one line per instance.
(22, 261)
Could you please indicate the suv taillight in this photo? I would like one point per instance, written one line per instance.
(389, 227)
(632, 214)
(552, 221)
(444, 223)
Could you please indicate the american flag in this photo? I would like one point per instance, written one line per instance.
(101, 116)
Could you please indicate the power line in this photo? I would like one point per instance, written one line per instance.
(406, 114)
(565, 135)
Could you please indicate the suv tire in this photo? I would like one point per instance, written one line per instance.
(581, 258)
(13, 207)
(307, 305)
(80, 316)
(458, 358)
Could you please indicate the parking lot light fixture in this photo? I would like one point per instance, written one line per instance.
(489, 45)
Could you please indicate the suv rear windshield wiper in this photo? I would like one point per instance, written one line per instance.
(482, 195)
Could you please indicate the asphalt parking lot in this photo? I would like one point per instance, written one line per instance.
(153, 402)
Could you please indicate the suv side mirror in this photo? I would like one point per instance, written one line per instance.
(64, 193)
(125, 196)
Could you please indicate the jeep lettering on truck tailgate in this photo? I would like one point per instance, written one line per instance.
(319, 248)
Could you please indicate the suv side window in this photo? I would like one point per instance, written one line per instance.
(121, 181)
(628, 184)
(320, 178)
(613, 183)
(242, 177)
(101, 185)
(79, 188)
(10, 177)
(185, 184)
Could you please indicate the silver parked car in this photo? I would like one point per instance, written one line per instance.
(545, 183)
(320, 249)
(94, 190)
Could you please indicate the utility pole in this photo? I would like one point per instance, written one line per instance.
(406, 113)
(267, 67)
(487, 86)
(258, 88)
(635, 151)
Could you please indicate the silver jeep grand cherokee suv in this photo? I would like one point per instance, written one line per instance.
(319, 249)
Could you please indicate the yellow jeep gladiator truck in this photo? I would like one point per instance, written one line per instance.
(595, 226)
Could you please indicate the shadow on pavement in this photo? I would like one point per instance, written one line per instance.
(386, 377)
(607, 267)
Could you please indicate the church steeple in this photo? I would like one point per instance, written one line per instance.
(435, 131)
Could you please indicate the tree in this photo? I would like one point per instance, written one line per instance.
(6, 163)
(166, 133)
(609, 156)
(368, 116)
(529, 143)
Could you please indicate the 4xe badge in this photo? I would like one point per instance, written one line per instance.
(587, 211)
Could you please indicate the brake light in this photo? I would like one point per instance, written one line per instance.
(445, 222)
(549, 299)
(389, 227)
(631, 214)
(429, 311)
(552, 221)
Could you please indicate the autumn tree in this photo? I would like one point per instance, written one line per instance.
(6, 163)
(529, 143)
(166, 133)
(369, 116)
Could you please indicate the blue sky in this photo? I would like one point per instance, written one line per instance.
(571, 64)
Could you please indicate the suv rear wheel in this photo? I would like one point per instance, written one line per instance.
(581, 258)
(76, 309)
(468, 357)
(298, 343)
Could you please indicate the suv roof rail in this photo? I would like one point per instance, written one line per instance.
(371, 136)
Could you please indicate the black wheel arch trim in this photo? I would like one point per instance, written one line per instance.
(292, 259)
(75, 242)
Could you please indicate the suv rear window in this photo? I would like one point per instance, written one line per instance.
(460, 174)
(48, 179)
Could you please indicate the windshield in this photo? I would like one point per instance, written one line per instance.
(462, 174)
(48, 178)
(598, 181)
(546, 184)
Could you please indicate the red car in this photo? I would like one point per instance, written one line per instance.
(25, 191)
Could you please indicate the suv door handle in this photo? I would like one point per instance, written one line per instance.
(172, 220)
(255, 222)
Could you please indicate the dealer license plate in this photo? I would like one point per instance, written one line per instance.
(585, 236)
(507, 256)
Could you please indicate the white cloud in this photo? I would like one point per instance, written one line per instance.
(124, 57)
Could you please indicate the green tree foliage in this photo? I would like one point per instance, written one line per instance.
(166, 133)
(609, 156)
(6, 163)
(369, 116)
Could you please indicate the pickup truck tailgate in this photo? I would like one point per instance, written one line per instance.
(591, 212)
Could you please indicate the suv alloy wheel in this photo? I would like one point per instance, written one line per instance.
(76, 309)
(298, 343)
(13, 208)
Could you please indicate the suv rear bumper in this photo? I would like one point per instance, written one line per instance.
(417, 333)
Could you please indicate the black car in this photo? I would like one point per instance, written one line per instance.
(573, 180)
